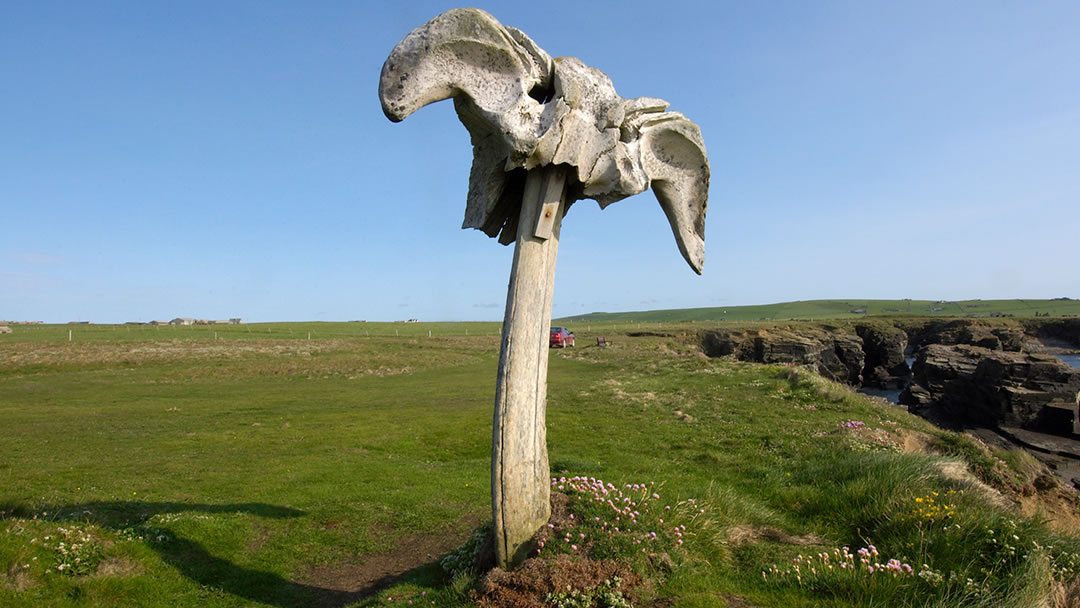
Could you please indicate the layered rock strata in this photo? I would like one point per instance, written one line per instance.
(981, 386)
(833, 353)
(886, 365)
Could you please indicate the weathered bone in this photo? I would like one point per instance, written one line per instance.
(545, 133)
(525, 110)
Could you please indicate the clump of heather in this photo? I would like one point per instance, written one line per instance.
(631, 523)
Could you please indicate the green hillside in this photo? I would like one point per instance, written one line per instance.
(164, 467)
(843, 309)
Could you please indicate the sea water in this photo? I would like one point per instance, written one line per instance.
(891, 394)
(1073, 360)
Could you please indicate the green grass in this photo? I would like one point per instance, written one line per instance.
(597, 322)
(838, 309)
(262, 469)
(248, 331)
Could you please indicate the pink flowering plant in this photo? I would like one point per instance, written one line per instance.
(829, 569)
(944, 544)
(632, 522)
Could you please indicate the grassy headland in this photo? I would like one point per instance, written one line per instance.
(151, 467)
(843, 309)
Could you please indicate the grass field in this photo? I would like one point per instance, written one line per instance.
(257, 331)
(841, 309)
(683, 319)
(148, 466)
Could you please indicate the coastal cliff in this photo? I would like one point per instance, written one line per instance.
(966, 371)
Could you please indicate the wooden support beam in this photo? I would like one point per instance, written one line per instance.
(520, 476)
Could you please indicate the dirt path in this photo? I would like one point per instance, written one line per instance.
(344, 583)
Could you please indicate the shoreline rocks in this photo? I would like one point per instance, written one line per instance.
(963, 331)
(966, 371)
(833, 353)
(981, 386)
(885, 347)
(1066, 331)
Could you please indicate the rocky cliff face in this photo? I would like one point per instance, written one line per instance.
(1063, 330)
(886, 366)
(972, 371)
(965, 331)
(981, 386)
(833, 352)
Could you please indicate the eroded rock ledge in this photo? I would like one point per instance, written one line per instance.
(862, 355)
(966, 372)
(977, 385)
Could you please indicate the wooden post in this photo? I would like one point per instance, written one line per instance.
(467, 55)
(69, 335)
(520, 477)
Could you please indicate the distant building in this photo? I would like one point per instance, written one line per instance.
(5, 329)
(158, 323)
(182, 321)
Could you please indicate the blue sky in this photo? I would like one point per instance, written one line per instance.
(223, 159)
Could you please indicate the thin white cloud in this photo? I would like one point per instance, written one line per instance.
(36, 258)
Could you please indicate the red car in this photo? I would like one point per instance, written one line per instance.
(560, 336)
